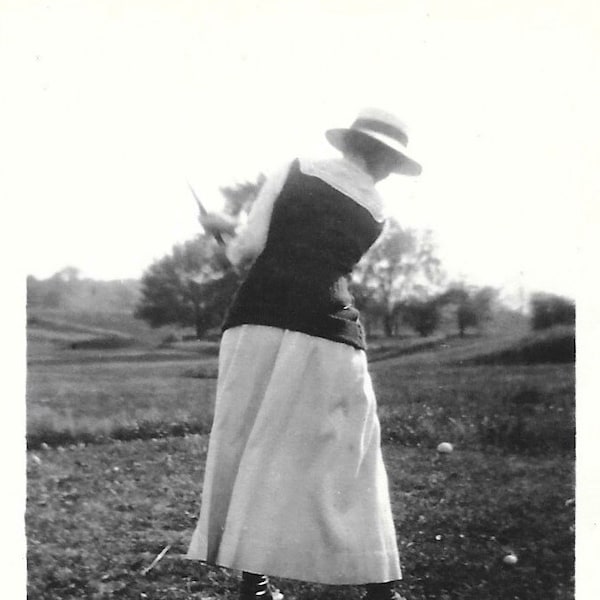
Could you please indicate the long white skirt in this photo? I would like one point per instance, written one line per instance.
(295, 484)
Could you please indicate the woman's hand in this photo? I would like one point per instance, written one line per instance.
(213, 222)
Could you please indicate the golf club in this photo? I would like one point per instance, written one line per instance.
(203, 211)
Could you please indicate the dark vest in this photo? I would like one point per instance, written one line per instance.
(300, 280)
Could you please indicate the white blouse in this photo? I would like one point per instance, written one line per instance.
(339, 173)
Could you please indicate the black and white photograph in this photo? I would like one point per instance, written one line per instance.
(299, 298)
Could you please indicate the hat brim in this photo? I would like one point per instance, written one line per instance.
(340, 138)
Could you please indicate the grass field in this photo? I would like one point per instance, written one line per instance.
(528, 408)
(98, 513)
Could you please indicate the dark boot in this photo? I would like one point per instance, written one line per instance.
(382, 591)
(258, 587)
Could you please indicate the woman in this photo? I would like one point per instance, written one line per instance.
(295, 484)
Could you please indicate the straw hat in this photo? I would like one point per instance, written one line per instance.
(383, 127)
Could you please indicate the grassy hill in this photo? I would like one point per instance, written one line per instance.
(59, 334)
(88, 335)
(117, 451)
(553, 345)
(118, 440)
(68, 343)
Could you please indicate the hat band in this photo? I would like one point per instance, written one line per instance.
(383, 128)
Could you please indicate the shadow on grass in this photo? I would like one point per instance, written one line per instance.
(144, 430)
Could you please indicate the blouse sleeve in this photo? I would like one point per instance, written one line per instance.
(251, 236)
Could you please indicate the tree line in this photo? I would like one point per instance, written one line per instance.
(398, 286)
(67, 290)
(399, 283)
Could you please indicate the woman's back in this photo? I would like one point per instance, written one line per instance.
(316, 236)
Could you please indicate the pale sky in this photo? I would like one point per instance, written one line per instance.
(110, 106)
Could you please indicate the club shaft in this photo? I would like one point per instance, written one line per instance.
(203, 212)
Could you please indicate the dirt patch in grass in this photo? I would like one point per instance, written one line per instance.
(98, 515)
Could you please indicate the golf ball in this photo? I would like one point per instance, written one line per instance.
(510, 559)
(445, 448)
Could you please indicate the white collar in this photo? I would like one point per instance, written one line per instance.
(349, 179)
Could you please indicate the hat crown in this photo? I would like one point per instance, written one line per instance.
(381, 126)
(381, 122)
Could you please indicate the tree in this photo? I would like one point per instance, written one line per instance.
(422, 315)
(550, 309)
(473, 305)
(193, 285)
(68, 274)
(401, 265)
(55, 291)
(182, 288)
(240, 197)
